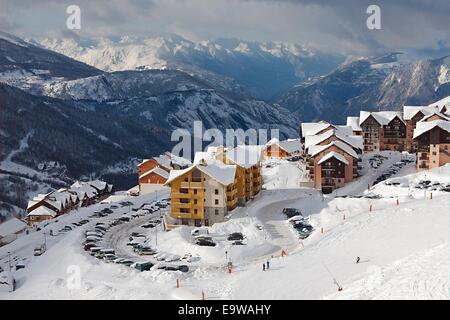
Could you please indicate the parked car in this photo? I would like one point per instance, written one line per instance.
(39, 250)
(235, 236)
(204, 242)
(143, 266)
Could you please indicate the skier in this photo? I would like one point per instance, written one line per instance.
(267, 265)
(357, 259)
(264, 267)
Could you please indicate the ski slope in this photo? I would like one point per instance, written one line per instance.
(403, 247)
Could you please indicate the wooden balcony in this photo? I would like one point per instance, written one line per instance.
(191, 185)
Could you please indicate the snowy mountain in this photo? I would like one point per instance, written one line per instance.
(19, 58)
(265, 68)
(86, 122)
(369, 84)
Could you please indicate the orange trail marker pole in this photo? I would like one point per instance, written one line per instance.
(178, 283)
(370, 208)
(431, 195)
(397, 202)
(203, 295)
(321, 230)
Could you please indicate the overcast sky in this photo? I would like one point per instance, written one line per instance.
(420, 26)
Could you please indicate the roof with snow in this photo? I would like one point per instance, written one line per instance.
(272, 141)
(290, 145)
(354, 141)
(11, 226)
(157, 170)
(245, 156)
(423, 127)
(42, 211)
(441, 103)
(335, 155)
(440, 115)
(382, 117)
(354, 123)
(215, 169)
(410, 111)
(312, 128)
(313, 150)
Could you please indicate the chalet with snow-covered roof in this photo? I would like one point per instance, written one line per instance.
(282, 149)
(331, 166)
(433, 143)
(383, 130)
(40, 214)
(150, 171)
(316, 128)
(414, 114)
(203, 193)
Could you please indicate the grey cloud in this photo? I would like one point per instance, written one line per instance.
(338, 26)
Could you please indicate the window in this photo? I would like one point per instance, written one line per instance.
(184, 200)
(184, 210)
(216, 212)
(195, 211)
(195, 191)
(216, 201)
(184, 190)
(216, 191)
(195, 201)
(434, 153)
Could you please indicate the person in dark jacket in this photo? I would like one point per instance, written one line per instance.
(264, 267)
(267, 265)
(358, 259)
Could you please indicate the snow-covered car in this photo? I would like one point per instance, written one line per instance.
(142, 266)
(199, 231)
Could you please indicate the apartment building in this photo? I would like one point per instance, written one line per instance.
(331, 166)
(383, 130)
(433, 143)
(247, 159)
(203, 193)
(414, 114)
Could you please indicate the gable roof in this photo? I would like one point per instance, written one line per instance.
(245, 156)
(354, 123)
(290, 145)
(423, 127)
(335, 155)
(157, 170)
(314, 150)
(410, 111)
(382, 117)
(441, 115)
(42, 211)
(215, 169)
(444, 102)
(11, 226)
(354, 141)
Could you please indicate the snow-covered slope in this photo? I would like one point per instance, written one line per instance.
(403, 251)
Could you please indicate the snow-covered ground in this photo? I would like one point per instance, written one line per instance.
(403, 247)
